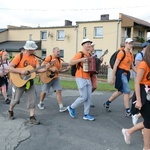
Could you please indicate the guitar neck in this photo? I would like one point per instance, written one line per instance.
(38, 68)
(104, 54)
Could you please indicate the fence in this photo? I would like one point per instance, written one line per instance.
(102, 74)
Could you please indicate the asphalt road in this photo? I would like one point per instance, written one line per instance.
(58, 131)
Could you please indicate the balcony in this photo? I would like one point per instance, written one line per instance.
(137, 41)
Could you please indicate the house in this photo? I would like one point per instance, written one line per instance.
(105, 33)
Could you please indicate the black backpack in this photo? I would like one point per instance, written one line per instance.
(76, 66)
(113, 58)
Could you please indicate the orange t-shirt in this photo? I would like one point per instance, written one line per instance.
(25, 61)
(80, 73)
(126, 63)
(146, 77)
(58, 63)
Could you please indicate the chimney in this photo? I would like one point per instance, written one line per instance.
(68, 23)
(105, 17)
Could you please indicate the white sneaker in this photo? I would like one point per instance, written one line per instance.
(126, 136)
(41, 106)
(62, 109)
(135, 119)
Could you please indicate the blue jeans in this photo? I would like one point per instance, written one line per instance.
(126, 87)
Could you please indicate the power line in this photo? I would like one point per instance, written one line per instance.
(91, 9)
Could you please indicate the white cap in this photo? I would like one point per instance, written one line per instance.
(93, 44)
(128, 40)
(30, 45)
(86, 41)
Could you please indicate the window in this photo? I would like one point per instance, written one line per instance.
(61, 53)
(30, 37)
(98, 31)
(43, 53)
(141, 33)
(43, 35)
(98, 53)
(84, 32)
(60, 34)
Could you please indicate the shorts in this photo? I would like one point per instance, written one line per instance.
(17, 94)
(126, 87)
(55, 84)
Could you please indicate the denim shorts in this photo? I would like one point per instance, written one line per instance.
(126, 87)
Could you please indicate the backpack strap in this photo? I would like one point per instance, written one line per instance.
(122, 57)
(21, 55)
(142, 54)
(79, 64)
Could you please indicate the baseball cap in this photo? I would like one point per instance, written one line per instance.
(128, 40)
(144, 44)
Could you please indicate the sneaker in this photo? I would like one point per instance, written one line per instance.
(10, 115)
(88, 117)
(34, 121)
(7, 101)
(128, 114)
(62, 109)
(107, 107)
(135, 119)
(71, 112)
(41, 106)
(126, 136)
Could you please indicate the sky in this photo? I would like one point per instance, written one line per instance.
(48, 13)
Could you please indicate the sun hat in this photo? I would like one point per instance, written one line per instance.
(128, 40)
(92, 44)
(86, 41)
(30, 45)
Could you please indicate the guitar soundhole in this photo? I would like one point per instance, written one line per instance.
(52, 74)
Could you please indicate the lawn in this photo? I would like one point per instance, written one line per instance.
(102, 86)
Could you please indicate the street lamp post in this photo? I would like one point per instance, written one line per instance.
(119, 20)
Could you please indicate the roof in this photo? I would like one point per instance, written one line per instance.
(2, 30)
(139, 21)
(16, 46)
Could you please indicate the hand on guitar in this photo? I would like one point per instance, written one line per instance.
(24, 72)
(53, 62)
(53, 69)
(101, 59)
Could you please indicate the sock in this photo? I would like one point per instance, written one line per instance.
(41, 102)
(60, 105)
(108, 102)
(128, 110)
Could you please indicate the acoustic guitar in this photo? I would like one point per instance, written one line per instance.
(48, 75)
(20, 80)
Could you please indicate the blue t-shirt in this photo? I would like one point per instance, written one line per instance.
(139, 56)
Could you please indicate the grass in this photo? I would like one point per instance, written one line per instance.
(102, 86)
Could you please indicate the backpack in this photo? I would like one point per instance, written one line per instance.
(113, 58)
(76, 66)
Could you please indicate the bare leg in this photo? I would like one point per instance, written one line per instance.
(114, 96)
(146, 135)
(42, 96)
(32, 112)
(126, 100)
(59, 96)
(135, 128)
